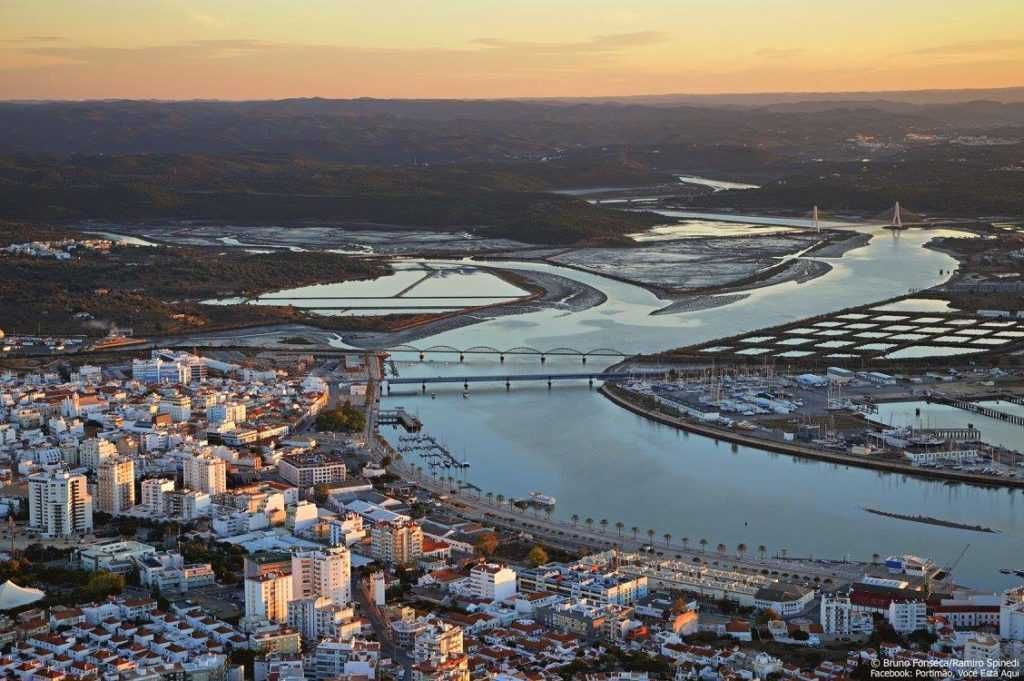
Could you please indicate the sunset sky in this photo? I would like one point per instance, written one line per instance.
(261, 49)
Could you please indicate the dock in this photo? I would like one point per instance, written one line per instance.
(399, 417)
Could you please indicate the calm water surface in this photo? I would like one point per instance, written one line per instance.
(603, 462)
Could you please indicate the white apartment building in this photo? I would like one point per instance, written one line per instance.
(307, 470)
(839, 617)
(115, 485)
(94, 451)
(59, 504)
(347, 530)
(908, 616)
(438, 642)
(161, 371)
(492, 582)
(325, 573)
(178, 406)
(229, 412)
(316, 618)
(205, 473)
(153, 491)
(1011, 615)
(267, 596)
(397, 541)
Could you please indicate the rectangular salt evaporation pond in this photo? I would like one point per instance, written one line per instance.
(916, 305)
(718, 348)
(794, 353)
(928, 320)
(870, 334)
(952, 339)
(936, 329)
(990, 341)
(829, 325)
(1009, 334)
(903, 337)
(462, 281)
(895, 328)
(961, 322)
(993, 431)
(757, 339)
(999, 325)
(918, 351)
(852, 316)
(841, 355)
(861, 326)
(890, 318)
(753, 351)
(834, 344)
(795, 341)
(974, 332)
(800, 331)
(875, 346)
(832, 332)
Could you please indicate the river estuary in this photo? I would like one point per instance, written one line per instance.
(603, 462)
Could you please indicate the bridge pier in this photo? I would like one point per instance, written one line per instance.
(508, 386)
(421, 356)
(501, 358)
(549, 384)
(543, 359)
(462, 357)
(389, 389)
(590, 382)
(465, 386)
(584, 358)
(424, 388)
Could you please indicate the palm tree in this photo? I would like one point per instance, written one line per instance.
(590, 523)
(490, 498)
(703, 545)
(721, 549)
(575, 519)
(740, 550)
(685, 540)
(636, 531)
(618, 526)
(604, 525)
(501, 499)
(762, 551)
(667, 537)
(782, 552)
(650, 535)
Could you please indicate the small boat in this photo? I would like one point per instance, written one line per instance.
(465, 395)
(433, 396)
(542, 499)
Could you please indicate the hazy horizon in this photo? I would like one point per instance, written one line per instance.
(234, 50)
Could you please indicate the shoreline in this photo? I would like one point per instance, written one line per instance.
(802, 452)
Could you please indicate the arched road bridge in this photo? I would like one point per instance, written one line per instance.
(520, 350)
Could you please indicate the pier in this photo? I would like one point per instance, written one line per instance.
(399, 417)
(967, 405)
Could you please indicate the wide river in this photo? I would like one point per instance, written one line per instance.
(603, 462)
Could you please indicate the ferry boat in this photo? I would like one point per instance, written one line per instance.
(542, 499)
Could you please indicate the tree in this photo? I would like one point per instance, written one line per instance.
(703, 544)
(685, 540)
(650, 535)
(740, 550)
(102, 584)
(636, 531)
(537, 556)
(667, 537)
(346, 419)
(321, 493)
(486, 544)
(590, 523)
(762, 551)
(575, 519)
(604, 525)
(721, 548)
(618, 526)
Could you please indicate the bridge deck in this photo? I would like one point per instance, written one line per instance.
(509, 378)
